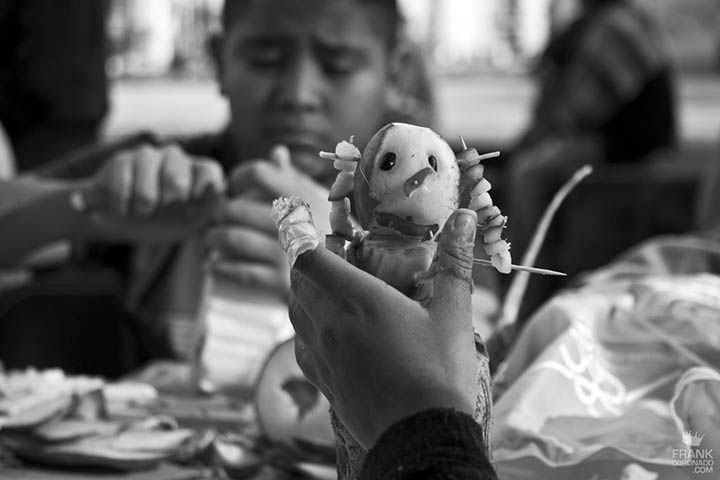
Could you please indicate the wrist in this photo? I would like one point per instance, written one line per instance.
(416, 401)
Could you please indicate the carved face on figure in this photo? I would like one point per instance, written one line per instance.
(408, 182)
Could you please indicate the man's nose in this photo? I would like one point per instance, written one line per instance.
(300, 86)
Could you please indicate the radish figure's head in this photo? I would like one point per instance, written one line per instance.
(407, 182)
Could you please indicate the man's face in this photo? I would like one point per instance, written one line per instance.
(306, 74)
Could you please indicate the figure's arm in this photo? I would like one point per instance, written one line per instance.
(345, 159)
(490, 219)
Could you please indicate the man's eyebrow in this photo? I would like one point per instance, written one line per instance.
(262, 40)
(333, 46)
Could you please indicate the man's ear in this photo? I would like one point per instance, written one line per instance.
(214, 49)
(410, 92)
(399, 62)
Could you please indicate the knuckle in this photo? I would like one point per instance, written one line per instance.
(174, 180)
(356, 309)
(173, 148)
(209, 167)
(456, 259)
(328, 339)
(146, 150)
(144, 199)
(209, 172)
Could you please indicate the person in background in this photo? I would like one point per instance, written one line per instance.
(606, 95)
(407, 399)
(304, 76)
(53, 87)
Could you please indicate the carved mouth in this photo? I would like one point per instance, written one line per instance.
(406, 226)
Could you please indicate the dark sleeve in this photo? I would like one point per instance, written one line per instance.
(433, 444)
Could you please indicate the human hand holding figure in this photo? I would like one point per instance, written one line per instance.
(245, 237)
(377, 355)
(152, 194)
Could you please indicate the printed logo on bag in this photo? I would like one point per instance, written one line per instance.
(699, 460)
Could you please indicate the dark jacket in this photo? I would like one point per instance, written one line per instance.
(434, 444)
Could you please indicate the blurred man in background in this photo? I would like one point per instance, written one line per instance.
(303, 76)
(606, 95)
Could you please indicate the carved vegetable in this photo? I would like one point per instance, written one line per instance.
(405, 185)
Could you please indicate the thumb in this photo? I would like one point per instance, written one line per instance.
(452, 266)
(280, 157)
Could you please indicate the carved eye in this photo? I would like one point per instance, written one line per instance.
(388, 161)
(433, 162)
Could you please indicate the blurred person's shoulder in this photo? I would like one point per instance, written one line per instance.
(628, 30)
(632, 24)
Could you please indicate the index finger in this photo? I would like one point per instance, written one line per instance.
(333, 275)
(260, 175)
(248, 212)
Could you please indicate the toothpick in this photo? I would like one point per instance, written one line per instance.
(485, 156)
(462, 141)
(522, 268)
(482, 157)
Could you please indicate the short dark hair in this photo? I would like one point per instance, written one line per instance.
(232, 8)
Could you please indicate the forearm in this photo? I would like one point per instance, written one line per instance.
(34, 213)
(438, 443)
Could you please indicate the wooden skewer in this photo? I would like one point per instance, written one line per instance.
(462, 141)
(485, 156)
(540, 271)
(482, 157)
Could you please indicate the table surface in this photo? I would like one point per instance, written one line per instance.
(222, 413)
(164, 472)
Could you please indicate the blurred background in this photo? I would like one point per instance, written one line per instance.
(125, 67)
(481, 54)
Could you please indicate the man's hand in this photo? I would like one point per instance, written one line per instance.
(246, 247)
(153, 194)
(265, 181)
(377, 355)
(245, 238)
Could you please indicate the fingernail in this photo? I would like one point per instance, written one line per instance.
(465, 222)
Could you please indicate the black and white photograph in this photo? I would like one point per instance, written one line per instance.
(360, 239)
